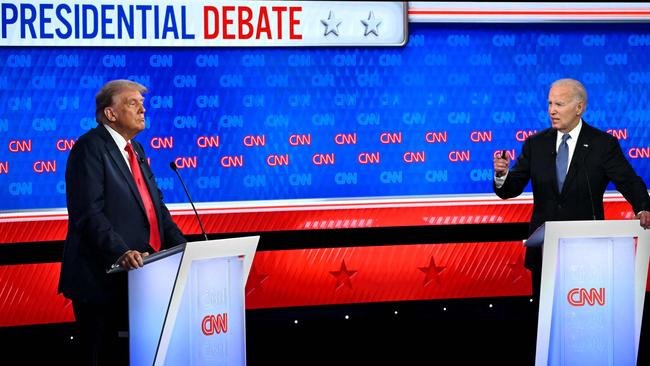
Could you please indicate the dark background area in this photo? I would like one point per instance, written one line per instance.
(422, 332)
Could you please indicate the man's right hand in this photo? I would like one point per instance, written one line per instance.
(132, 259)
(501, 165)
(644, 219)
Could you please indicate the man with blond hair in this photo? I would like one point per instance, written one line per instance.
(116, 217)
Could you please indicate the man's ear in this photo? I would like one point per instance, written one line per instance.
(110, 115)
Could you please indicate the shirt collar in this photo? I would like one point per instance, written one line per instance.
(574, 133)
(119, 140)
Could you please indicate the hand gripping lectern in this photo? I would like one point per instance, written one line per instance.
(592, 292)
(186, 305)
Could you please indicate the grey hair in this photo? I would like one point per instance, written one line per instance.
(579, 90)
(104, 97)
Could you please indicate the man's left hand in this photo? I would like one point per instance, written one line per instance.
(644, 219)
(132, 259)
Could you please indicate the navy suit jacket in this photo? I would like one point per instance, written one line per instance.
(597, 160)
(106, 217)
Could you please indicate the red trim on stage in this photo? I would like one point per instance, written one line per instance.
(18, 229)
(326, 276)
(28, 295)
(321, 276)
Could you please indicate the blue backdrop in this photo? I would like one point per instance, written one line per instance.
(294, 123)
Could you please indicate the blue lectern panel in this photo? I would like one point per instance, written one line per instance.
(593, 310)
(149, 292)
(209, 327)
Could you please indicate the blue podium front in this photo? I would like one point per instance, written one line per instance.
(594, 302)
(594, 277)
(186, 306)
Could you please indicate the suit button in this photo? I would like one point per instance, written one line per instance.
(559, 207)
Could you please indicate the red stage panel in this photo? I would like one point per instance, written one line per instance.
(386, 273)
(321, 276)
(28, 295)
(48, 227)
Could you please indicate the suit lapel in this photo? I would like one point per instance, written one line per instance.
(550, 143)
(118, 160)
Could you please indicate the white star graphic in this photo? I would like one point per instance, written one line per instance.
(371, 24)
(331, 24)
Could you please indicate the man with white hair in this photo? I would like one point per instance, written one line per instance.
(570, 165)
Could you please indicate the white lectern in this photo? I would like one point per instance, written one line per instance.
(593, 286)
(186, 305)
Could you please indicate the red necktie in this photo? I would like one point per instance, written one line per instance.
(154, 234)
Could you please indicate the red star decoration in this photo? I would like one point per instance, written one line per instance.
(432, 271)
(517, 268)
(343, 276)
(255, 280)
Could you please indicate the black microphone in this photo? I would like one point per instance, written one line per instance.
(175, 168)
(584, 169)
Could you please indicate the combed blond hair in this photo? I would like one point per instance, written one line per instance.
(104, 97)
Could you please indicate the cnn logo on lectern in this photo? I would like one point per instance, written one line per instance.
(582, 296)
(214, 324)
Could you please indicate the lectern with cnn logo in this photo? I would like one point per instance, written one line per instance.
(186, 305)
(593, 287)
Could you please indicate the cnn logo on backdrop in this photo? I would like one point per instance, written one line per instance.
(582, 296)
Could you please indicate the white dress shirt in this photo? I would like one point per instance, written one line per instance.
(121, 144)
(498, 181)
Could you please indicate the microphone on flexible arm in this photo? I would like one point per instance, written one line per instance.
(584, 169)
(173, 166)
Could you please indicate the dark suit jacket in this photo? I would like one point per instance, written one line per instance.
(106, 217)
(597, 155)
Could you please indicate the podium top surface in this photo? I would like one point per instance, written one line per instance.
(152, 257)
(586, 228)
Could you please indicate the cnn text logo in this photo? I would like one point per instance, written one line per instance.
(580, 296)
